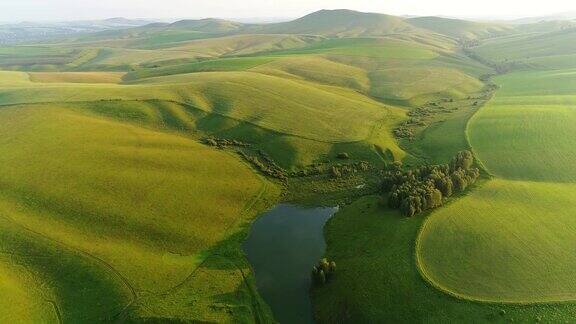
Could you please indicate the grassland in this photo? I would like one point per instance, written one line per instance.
(76, 77)
(378, 278)
(500, 253)
(237, 104)
(525, 47)
(156, 219)
(513, 242)
(512, 235)
(107, 194)
(141, 218)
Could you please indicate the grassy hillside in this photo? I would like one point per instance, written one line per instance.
(507, 241)
(76, 77)
(319, 69)
(256, 101)
(243, 44)
(419, 85)
(461, 29)
(392, 70)
(512, 235)
(513, 242)
(381, 48)
(341, 23)
(539, 131)
(550, 50)
(214, 65)
(245, 96)
(145, 212)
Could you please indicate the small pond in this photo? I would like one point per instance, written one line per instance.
(283, 246)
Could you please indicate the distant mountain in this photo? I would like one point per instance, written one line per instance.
(561, 16)
(348, 23)
(119, 21)
(547, 26)
(340, 23)
(327, 23)
(458, 28)
(209, 25)
(33, 32)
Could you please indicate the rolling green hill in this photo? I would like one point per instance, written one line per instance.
(209, 25)
(461, 29)
(501, 252)
(142, 217)
(513, 244)
(107, 192)
(513, 234)
(341, 23)
(550, 50)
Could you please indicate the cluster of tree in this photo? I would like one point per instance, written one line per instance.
(335, 171)
(501, 67)
(323, 272)
(403, 131)
(419, 115)
(222, 143)
(424, 188)
(339, 171)
(266, 165)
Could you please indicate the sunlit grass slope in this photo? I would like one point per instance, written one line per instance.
(131, 210)
(383, 48)
(296, 121)
(418, 85)
(288, 151)
(215, 65)
(319, 69)
(552, 50)
(323, 113)
(411, 72)
(521, 139)
(507, 241)
(461, 29)
(243, 44)
(76, 77)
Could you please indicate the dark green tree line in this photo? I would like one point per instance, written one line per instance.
(425, 188)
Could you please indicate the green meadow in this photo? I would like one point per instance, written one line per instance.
(513, 234)
(509, 241)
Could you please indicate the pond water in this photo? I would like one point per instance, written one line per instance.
(283, 246)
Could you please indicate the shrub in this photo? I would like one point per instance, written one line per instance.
(335, 172)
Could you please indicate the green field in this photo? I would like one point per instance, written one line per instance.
(378, 278)
(513, 235)
(513, 243)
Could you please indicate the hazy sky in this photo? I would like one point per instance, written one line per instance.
(18, 10)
